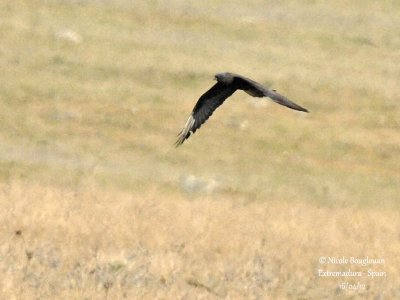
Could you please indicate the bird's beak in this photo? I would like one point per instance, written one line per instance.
(215, 78)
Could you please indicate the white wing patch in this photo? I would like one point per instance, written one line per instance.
(188, 128)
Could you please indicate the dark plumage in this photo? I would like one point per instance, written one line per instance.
(227, 84)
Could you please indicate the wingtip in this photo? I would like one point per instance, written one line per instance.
(181, 138)
(186, 131)
(178, 143)
(300, 108)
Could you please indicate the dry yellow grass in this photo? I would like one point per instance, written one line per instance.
(97, 203)
(93, 243)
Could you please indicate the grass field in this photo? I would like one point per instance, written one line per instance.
(96, 201)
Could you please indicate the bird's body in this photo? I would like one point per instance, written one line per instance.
(227, 84)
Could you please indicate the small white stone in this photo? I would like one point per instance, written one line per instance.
(69, 35)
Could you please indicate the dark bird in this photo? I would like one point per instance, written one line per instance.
(227, 84)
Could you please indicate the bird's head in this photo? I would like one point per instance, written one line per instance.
(225, 77)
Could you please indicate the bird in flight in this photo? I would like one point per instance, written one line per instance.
(227, 84)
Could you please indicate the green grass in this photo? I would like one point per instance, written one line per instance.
(123, 93)
(105, 110)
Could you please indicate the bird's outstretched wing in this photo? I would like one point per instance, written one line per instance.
(282, 100)
(227, 84)
(257, 90)
(204, 108)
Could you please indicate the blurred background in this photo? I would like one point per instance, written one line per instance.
(97, 202)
